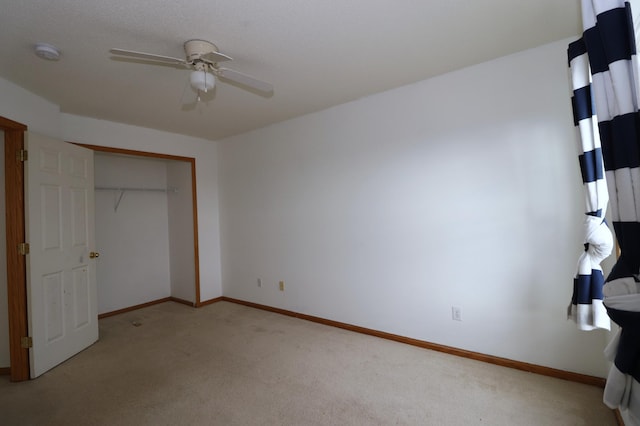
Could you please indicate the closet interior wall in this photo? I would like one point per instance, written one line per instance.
(181, 234)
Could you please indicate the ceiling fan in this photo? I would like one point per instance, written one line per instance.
(203, 58)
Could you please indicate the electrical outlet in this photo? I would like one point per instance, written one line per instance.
(281, 285)
(259, 282)
(456, 313)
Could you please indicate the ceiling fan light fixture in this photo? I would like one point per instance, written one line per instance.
(202, 81)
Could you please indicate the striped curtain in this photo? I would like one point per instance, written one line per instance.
(586, 307)
(609, 41)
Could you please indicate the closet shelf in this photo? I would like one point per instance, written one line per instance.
(123, 189)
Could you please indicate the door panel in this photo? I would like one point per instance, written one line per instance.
(53, 301)
(51, 219)
(78, 218)
(61, 278)
(81, 296)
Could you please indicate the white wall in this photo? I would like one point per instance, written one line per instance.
(24, 107)
(461, 190)
(133, 241)
(180, 211)
(4, 307)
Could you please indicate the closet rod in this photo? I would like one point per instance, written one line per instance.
(125, 189)
(118, 188)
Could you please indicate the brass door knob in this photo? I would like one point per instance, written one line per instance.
(94, 254)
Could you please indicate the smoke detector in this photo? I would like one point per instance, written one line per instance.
(47, 51)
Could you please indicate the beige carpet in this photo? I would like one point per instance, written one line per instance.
(227, 364)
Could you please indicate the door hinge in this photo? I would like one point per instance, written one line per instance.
(26, 342)
(23, 248)
(22, 155)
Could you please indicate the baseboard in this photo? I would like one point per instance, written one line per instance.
(209, 302)
(133, 308)
(155, 302)
(184, 302)
(504, 362)
(5, 371)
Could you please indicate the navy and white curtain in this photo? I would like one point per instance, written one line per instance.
(609, 42)
(586, 306)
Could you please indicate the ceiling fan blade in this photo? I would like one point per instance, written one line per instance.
(215, 57)
(245, 80)
(150, 56)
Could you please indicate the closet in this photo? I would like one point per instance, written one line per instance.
(144, 230)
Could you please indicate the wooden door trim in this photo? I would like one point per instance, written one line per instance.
(190, 160)
(16, 265)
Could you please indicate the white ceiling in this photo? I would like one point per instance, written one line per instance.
(317, 53)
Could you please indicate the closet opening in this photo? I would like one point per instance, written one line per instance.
(146, 229)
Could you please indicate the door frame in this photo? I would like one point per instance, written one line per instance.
(14, 136)
(16, 265)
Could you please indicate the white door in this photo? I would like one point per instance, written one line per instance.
(61, 274)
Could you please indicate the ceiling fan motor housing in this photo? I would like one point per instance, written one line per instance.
(195, 49)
